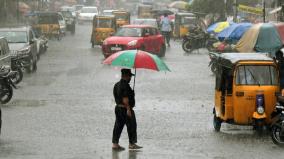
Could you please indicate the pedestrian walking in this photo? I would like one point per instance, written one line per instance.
(166, 28)
(124, 113)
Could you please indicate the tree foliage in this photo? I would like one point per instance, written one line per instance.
(218, 6)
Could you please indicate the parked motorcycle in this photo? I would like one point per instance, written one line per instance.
(197, 40)
(6, 84)
(17, 65)
(277, 125)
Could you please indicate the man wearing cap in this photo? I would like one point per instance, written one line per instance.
(124, 114)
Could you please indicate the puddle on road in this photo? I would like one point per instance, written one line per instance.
(78, 71)
(26, 103)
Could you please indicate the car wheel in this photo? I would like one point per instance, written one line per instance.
(30, 68)
(162, 50)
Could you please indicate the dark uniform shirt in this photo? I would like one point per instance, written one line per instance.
(122, 89)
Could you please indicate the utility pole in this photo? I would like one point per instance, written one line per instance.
(236, 4)
(264, 11)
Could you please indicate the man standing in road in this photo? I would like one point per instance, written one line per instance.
(124, 114)
(166, 28)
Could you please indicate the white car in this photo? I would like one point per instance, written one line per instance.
(87, 14)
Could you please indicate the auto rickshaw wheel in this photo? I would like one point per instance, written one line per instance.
(73, 30)
(217, 122)
(259, 127)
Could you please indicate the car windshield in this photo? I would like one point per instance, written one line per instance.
(146, 22)
(89, 10)
(256, 75)
(104, 23)
(52, 19)
(78, 7)
(15, 36)
(129, 32)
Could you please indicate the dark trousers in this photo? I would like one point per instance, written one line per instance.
(167, 36)
(121, 118)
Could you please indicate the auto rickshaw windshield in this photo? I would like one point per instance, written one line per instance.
(256, 75)
(104, 23)
(188, 20)
(48, 20)
(121, 16)
(67, 14)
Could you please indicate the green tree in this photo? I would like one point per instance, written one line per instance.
(219, 6)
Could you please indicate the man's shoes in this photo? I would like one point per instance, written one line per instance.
(118, 148)
(134, 147)
(169, 45)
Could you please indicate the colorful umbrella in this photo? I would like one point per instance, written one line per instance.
(218, 27)
(263, 37)
(234, 32)
(136, 59)
(179, 5)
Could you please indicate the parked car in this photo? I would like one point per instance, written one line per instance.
(152, 22)
(143, 37)
(5, 58)
(22, 42)
(87, 14)
(70, 21)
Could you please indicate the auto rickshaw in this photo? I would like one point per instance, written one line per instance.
(122, 17)
(246, 88)
(103, 27)
(145, 11)
(48, 24)
(182, 23)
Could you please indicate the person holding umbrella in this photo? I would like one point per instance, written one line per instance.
(124, 113)
(166, 28)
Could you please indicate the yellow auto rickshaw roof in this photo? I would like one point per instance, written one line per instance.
(229, 60)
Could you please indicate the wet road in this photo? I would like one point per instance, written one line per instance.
(66, 110)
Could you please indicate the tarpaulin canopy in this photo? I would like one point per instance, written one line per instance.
(234, 32)
(268, 39)
(263, 37)
(218, 27)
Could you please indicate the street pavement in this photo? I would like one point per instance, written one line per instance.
(66, 110)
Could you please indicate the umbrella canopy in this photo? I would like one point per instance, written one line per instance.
(179, 5)
(234, 32)
(218, 27)
(136, 59)
(263, 37)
